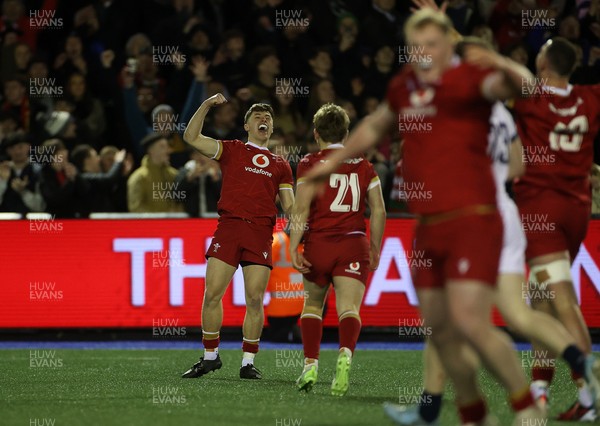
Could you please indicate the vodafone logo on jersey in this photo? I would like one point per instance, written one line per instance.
(260, 160)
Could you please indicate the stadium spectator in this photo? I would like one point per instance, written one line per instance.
(321, 93)
(347, 54)
(151, 188)
(87, 110)
(103, 185)
(267, 68)
(230, 63)
(71, 59)
(107, 160)
(287, 115)
(16, 101)
(383, 24)
(19, 178)
(200, 179)
(62, 187)
(380, 72)
(320, 66)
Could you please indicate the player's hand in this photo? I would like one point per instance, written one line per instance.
(428, 4)
(199, 68)
(19, 185)
(120, 156)
(300, 263)
(373, 259)
(484, 58)
(5, 170)
(215, 100)
(70, 171)
(107, 57)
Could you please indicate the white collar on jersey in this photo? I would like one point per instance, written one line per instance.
(559, 91)
(256, 146)
(334, 146)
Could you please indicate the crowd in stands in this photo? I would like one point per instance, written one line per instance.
(96, 94)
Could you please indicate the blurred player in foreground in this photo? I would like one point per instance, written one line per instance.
(561, 120)
(336, 248)
(252, 179)
(449, 161)
(506, 152)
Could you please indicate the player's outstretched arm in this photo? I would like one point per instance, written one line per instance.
(193, 132)
(376, 225)
(298, 219)
(516, 166)
(286, 200)
(511, 79)
(368, 132)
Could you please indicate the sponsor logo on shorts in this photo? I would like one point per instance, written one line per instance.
(354, 268)
(260, 160)
(265, 254)
(216, 247)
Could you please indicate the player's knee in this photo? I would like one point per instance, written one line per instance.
(518, 322)
(313, 309)
(212, 298)
(350, 313)
(254, 302)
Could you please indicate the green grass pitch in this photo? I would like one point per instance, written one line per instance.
(143, 387)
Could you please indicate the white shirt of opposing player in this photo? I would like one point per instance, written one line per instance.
(503, 132)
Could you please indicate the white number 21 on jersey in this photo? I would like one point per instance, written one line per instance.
(342, 182)
(568, 137)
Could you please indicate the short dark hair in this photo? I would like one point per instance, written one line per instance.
(79, 155)
(331, 122)
(258, 108)
(561, 56)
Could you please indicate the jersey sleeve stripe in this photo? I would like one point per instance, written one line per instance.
(374, 182)
(300, 180)
(285, 186)
(217, 155)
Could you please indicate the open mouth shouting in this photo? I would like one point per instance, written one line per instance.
(263, 128)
